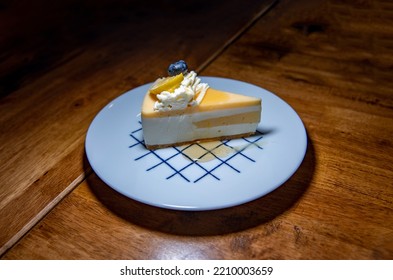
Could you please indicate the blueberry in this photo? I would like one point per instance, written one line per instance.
(177, 68)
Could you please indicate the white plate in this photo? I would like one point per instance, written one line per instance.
(166, 178)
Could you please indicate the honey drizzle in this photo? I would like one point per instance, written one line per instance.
(208, 151)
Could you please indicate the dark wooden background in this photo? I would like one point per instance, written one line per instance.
(62, 61)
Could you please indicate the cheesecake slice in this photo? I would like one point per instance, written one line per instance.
(209, 114)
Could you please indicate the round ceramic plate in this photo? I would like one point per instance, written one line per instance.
(228, 173)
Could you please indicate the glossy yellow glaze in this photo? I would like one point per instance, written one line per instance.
(213, 100)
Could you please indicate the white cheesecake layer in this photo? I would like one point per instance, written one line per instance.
(184, 128)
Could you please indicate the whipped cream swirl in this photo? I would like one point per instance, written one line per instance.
(190, 93)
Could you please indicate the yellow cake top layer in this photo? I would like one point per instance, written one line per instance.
(213, 100)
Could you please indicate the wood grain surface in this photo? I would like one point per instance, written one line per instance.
(62, 61)
(330, 60)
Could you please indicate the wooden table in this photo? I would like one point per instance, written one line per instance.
(61, 62)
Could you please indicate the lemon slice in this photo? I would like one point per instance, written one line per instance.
(166, 84)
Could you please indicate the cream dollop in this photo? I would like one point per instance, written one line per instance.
(190, 93)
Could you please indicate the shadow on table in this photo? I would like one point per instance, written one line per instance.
(213, 222)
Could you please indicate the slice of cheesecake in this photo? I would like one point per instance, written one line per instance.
(219, 115)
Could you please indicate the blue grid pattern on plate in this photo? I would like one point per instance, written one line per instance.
(187, 168)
